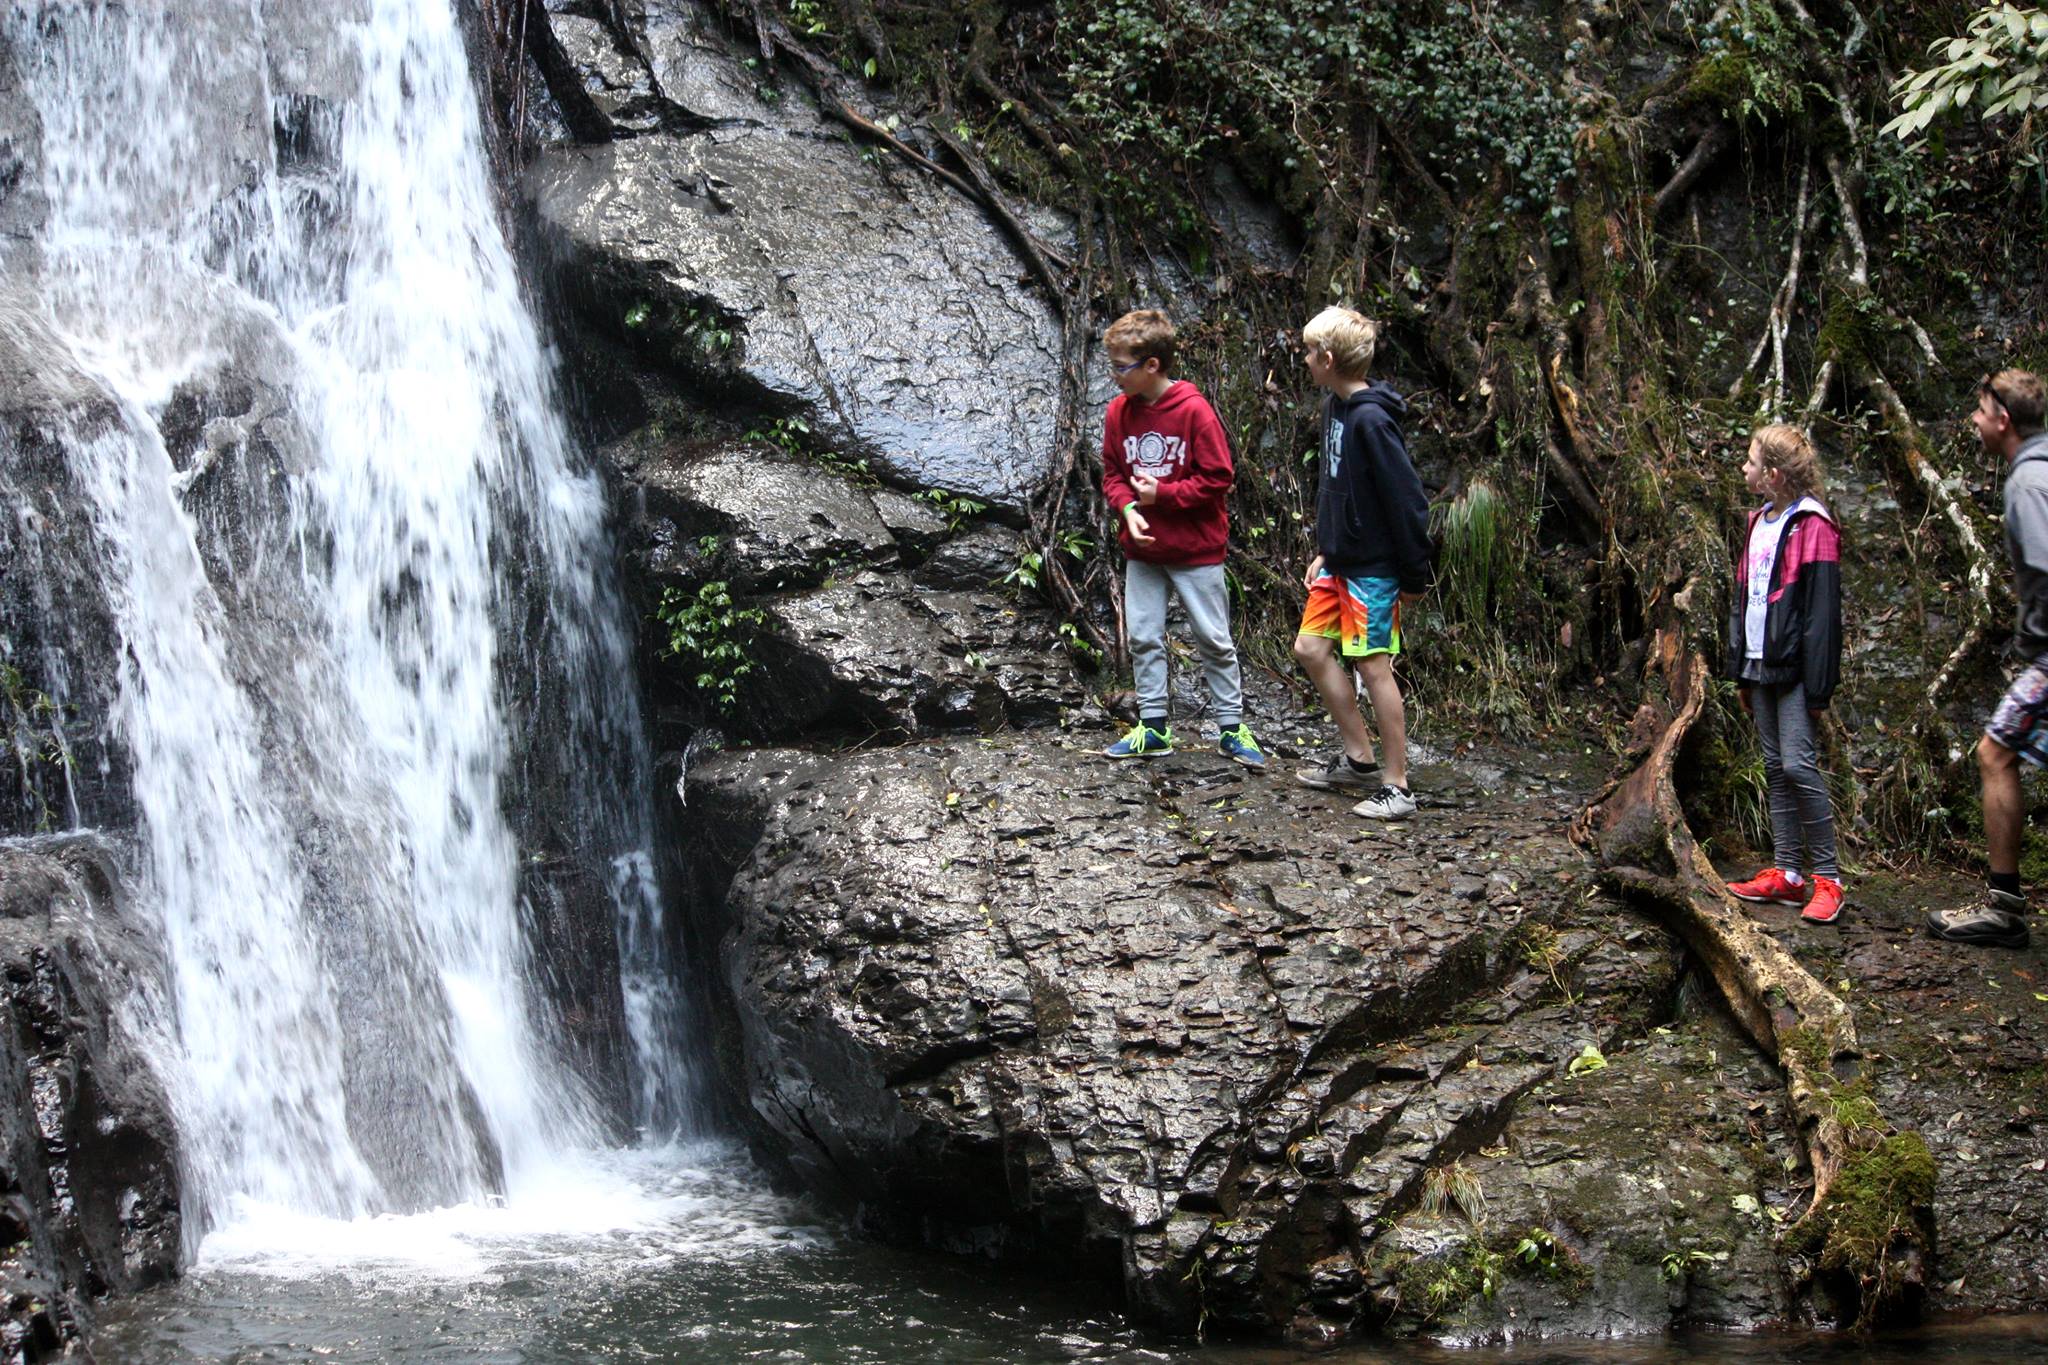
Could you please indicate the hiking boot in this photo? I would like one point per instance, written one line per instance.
(2012, 902)
(1825, 906)
(1388, 803)
(1238, 745)
(1142, 742)
(1770, 887)
(1987, 923)
(1340, 775)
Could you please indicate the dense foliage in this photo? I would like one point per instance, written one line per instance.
(1605, 239)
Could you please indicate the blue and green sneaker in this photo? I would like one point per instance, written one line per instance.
(1239, 745)
(1142, 742)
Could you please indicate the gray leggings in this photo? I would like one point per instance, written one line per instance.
(1802, 817)
(1204, 595)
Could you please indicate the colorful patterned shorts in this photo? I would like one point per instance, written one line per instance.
(2016, 723)
(1362, 614)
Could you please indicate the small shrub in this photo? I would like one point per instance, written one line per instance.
(711, 638)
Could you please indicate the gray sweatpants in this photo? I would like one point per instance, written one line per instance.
(1802, 816)
(1205, 597)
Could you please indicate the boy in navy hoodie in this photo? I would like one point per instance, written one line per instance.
(1372, 558)
(1166, 472)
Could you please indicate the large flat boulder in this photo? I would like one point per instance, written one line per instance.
(1235, 1052)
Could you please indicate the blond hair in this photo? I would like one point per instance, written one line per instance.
(1789, 450)
(1349, 337)
(1147, 334)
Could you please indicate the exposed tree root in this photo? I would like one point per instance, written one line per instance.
(1708, 150)
(1638, 833)
(1782, 304)
(1983, 576)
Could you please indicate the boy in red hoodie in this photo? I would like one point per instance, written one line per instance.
(1166, 472)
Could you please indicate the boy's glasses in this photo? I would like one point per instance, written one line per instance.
(1115, 368)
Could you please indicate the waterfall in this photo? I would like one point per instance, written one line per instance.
(369, 621)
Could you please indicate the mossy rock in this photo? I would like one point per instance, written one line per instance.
(1873, 1232)
(1722, 81)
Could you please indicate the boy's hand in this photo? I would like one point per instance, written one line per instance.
(1146, 487)
(1409, 599)
(1747, 707)
(1137, 526)
(1315, 569)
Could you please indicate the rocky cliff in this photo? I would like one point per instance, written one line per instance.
(1184, 1029)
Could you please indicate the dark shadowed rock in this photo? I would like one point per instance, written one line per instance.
(59, 761)
(1269, 1067)
(85, 1129)
(977, 559)
(771, 523)
(875, 647)
(914, 522)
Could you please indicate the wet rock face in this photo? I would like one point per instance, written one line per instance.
(761, 520)
(877, 611)
(58, 640)
(798, 272)
(85, 1129)
(1267, 1065)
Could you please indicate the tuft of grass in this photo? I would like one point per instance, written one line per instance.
(1454, 1186)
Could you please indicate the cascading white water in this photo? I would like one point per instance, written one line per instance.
(338, 607)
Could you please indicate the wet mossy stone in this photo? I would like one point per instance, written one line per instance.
(1874, 1230)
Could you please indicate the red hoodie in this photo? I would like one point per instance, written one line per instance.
(1177, 440)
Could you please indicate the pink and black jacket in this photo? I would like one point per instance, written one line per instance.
(1803, 624)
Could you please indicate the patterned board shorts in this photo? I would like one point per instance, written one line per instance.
(1362, 614)
(2017, 723)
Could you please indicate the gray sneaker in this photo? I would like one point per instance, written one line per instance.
(2012, 902)
(1389, 803)
(1994, 922)
(1339, 775)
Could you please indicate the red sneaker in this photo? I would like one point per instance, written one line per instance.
(1826, 905)
(1770, 887)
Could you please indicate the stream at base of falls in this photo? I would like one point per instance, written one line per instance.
(682, 1254)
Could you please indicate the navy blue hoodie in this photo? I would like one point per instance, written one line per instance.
(1372, 518)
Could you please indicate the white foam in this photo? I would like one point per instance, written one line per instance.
(623, 1209)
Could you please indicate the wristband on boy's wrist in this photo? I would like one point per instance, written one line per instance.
(1131, 505)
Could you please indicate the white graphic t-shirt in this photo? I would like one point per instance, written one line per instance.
(1156, 455)
(1766, 535)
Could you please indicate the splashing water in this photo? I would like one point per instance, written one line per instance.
(365, 600)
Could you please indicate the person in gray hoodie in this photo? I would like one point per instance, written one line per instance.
(2009, 424)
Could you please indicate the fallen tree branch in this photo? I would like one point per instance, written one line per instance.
(1638, 833)
(1040, 257)
(1715, 141)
